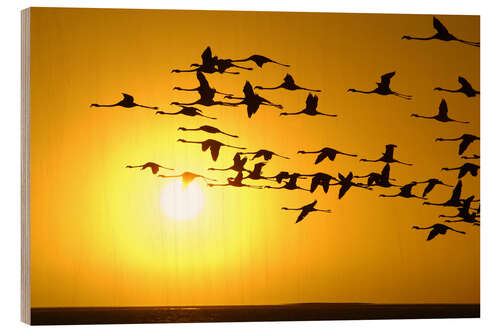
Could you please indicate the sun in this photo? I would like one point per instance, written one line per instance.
(181, 204)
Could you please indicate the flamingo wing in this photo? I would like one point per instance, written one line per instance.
(385, 79)
(385, 172)
(439, 26)
(457, 191)
(289, 80)
(202, 80)
(302, 215)
(311, 102)
(214, 150)
(248, 90)
(443, 108)
(321, 157)
(252, 109)
(127, 98)
(434, 232)
(463, 146)
(343, 190)
(259, 60)
(428, 188)
(465, 84)
(206, 56)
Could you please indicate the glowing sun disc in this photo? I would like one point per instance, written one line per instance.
(179, 203)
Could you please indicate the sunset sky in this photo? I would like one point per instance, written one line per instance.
(99, 234)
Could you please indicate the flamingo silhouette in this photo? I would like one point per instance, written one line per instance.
(437, 229)
(383, 87)
(187, 111)
(204, 87)
(267, 154)
(208, 129)
(238, 164)
(259, 60)
(441, 34)
(466, 140)
(346, 183)
(256, 173)
(387, 156)
(208, 65)
(224, 64)
(320, 179)
(288, 84)
(324, 153)
(291, 184)
(379, 179)
(213, 145)
(442, 115)
(236, 182)
(472, 157)
(284, 175)
(252, 100)
(465, 88)
(153, 166)
(431, 183)
(126, 102)
(464, 169)
(463, 210)
(404, 191)
(311, 108)
(305, 210)
(187, 178)
(454, 201)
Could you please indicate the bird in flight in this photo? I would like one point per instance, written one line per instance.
(326, 152)
(387, 156)
(203, 88)
(252, 100)
(465, 88)
(454, 200)
(208, 65)
(126, 102)
(260, 60)
(437, 229)
(442, 34)
(155, 167)
(404, 192)
(211, 144)
(288, 84)
(238, 164)
(466, 140)
(379, 179)
(187, 111)
(305, 210)
(310, 110)
(236, 182)
(464, 169)
(187, 178)
(431, 183)
(346, 183)
(256, 173)
(208, 129)
(383, 87)
(291, 184)
(320, 179)
(442, 115)
(267, 154)
(464, 209)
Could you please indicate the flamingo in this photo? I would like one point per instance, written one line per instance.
(463, 210)
(305, 210)
(324, 153)
(310, 110)
(288, 84)
(387, 156)
(284, 175)
(464, 169)
(208, 129)
(383, 87)
(466, 140)
(431, 183)
(379, 179)
(322, 179)
(126, 102)
(213, 145)
(259, 60)
(454, 201)
(441, 34)
(238, 164)
(267, 154)
(437, 229)
(404, 191)
(187, 178)
(236, 182)
(204, 87)
(256, 173)
(465, 88)
(252, 100)
(224, 64)
(208, 65)
(153, 166)
(346, 183)
(187, 111)
(442, 115)
(291, 184)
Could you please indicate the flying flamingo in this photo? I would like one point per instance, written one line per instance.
(431, 183)
(379, 179)
(187, 111)
(404, 191)
(465, 88)
(267, 154)
(126, 102)
(284, 175)
(224, 64)
(437, 229)
(387, 156)
(252, 100)
(310, 110)
(320, 179)
(208, 129)
(442, 115)
(208, 65)
(442, 34)
(291, 184)
(259, 60)
(238, 164)
(204, 87)
(288, 84)
(236, 182)
(463, 210)
(306, 210)
(188, 178)
(153, 166)
(454, 201)
(346, 183)
(324, 153)
(256, 173)
(383, 87)
(466, 139)
(464, 169)
(214, 146)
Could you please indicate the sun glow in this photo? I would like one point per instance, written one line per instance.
(179, 203)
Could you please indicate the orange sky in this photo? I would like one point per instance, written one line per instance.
(98, 234)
